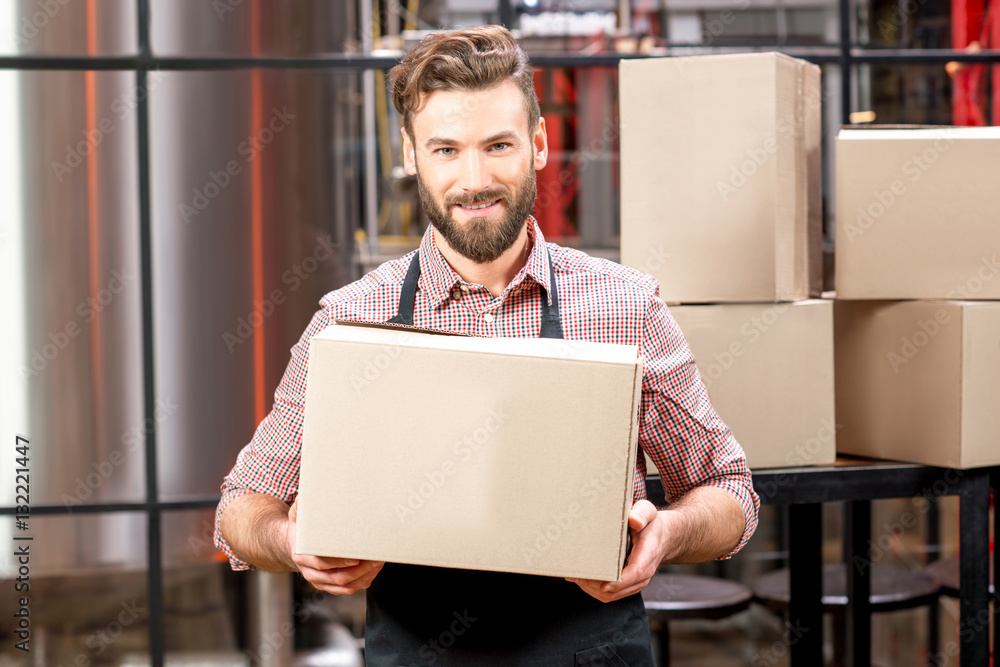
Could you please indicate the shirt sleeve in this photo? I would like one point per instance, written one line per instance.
(269, 463)
(680, 430)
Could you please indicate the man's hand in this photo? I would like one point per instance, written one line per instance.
(706, 523)
(649, 540)
(339, 576)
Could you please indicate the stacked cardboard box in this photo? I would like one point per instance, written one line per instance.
(769, 371)
(918, 217)
(721, 182)
(721, 204)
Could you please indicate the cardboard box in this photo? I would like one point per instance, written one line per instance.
(919, 381)
(769, 372)
(918, 213)
(503, 454)
(721, 176)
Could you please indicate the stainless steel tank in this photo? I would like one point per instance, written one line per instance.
(254, 195)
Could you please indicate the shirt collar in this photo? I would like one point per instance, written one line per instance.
(437, 278)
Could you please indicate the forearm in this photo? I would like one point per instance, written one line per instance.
(256, 525)
(705, 524)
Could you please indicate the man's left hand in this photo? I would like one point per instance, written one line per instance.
(649, 541)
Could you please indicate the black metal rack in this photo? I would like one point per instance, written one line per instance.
(844, 54)
(857, 482)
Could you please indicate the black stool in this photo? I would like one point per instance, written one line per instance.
(892, 589)
(948, 575)
(675, 596)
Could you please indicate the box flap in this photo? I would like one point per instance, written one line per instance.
(897, 133)
(415, 337)
(393, 326)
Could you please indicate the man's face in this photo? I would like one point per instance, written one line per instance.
(475, 162)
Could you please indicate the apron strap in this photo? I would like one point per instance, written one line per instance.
(551, 326)
(569, 627)
(408, 295)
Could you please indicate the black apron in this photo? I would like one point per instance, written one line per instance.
(423, 616)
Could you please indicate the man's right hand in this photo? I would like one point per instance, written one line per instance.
(339, 576)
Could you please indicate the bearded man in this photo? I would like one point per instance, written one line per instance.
(474, 137)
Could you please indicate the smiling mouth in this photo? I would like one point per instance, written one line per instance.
(477, 207)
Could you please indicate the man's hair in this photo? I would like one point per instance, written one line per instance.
(472, 59)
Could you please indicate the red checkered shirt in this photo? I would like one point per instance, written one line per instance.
(599, 300)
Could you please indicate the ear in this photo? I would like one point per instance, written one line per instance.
(541, 145)
(409, 159)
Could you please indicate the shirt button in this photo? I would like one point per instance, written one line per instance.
(465, 288)
(488, 317)
(456, 295)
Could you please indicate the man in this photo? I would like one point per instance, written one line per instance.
(474, 137)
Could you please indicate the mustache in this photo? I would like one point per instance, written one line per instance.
(489, 194)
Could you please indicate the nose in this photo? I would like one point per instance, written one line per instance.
(476, 174)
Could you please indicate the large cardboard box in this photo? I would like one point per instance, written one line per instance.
(720, 170)
(501, 454)
(918, 213)
(769, 372)
(919, 381)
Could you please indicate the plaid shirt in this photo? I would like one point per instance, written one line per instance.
(599, 300)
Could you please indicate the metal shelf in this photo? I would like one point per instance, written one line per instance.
(357, 63)
(138, 506)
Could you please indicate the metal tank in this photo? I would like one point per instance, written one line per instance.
(254, 186)
(72, 339)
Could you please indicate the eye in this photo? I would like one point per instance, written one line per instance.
(446, 152)
(499, 146)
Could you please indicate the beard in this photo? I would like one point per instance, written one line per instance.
(482, 239)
